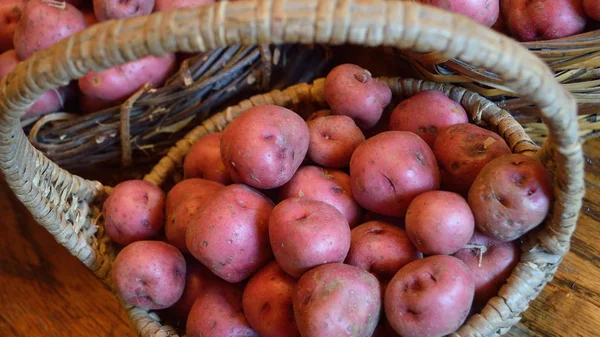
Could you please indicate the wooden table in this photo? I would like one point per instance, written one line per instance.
(44, 291)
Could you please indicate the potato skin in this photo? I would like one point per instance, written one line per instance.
(305, 233)
(350, 90)
(510, 196)
(133, 211)
(218, 312)
(42, 25)
(204, 160)
(178, 222)
(390, 169)
(119, 9)
(485, 12)
(10, 13)
(426, 113)
(267, 302)
(497, 263)
(333, 139)
(462, 150)
(149, 274)
(439, 222)
(330, 186)
(592, 9)
(189, 188)
(429, 297)
(381, 249)
(264, 146)
(230, 233)
(337, 299)
(197, 279)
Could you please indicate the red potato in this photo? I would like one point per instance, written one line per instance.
(149, 274)
(537, 20)
(319, 113)
(333, 139)
(10, 13)
(218, 312)
(510, 196)
(305, 233)
(426, 113)
(592, 9)
(133, 211)
(90, 17)
(485, 12)
(264, 146)
(189, 188)
(429, 297)
(491, 264)
(462, 150)
(372, 216)
(121, 9)
(390, 169)
(197, 279)
(351, 91)
(337, 299)
(267, 302)
(330, 186)
(204, 160)
(439, 222)
(119, 83)
(230, 233)
(43, 24)
(167, 5)
(381, 249)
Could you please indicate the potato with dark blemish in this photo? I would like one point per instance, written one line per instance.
(230, 233)
(204, 160)
(510, 196)
(390, 169)
(149, 274)
(337, 299)
(426, 113)
(218, 312)
(333, 139)
(264, 146)
(121, 9)
(430, 297)
(267, 302)
(133, 211)
(330, 186)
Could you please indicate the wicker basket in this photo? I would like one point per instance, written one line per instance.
(68, 206)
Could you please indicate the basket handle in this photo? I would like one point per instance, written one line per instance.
(400, 24)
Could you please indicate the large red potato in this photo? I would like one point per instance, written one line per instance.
(167, 5)
(333, 139)
(426, 113)
(264, 146)
(204, 160)
(189, 188)
(536, 20)
(462, 150)
(491, 262)
(121, 9)
(429, 297)
(149, 274)
(351, 91)
(592, 9)
(381, 249)
(485, 12)
(267, 302)
(337, 299)
(10, 13)
(218, 312)
(330, 186)
(390, 169)
(510, 196)
(439, 222)
(197, 279)
(230, 233)
(305, 233)
(43, 24)
(133, 211)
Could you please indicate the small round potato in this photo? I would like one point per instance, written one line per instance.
(204, 160)
(337, 299)
(178, 222)
(189, 188)
(429, 297)
(133, 211)
(149, 274)
(264, 146)
(510, 196)
(121, 9)
(10, 13)
(267, 302)
(333, 139)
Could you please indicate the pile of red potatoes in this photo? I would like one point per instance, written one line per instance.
(369, 218)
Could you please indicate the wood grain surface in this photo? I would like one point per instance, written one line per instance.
(44, 291)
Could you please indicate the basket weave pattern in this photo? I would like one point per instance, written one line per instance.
(68, 205)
